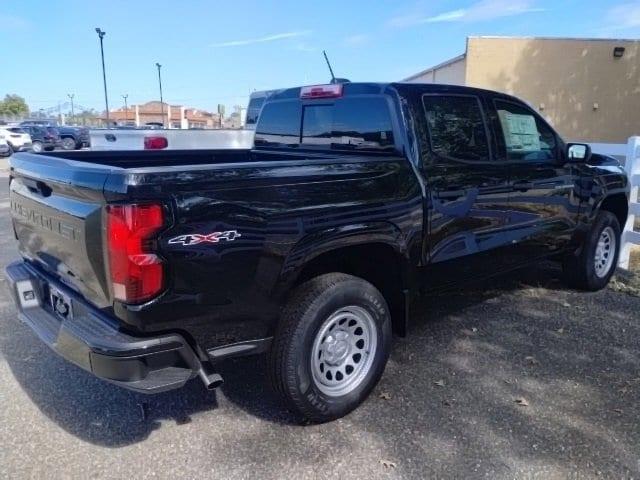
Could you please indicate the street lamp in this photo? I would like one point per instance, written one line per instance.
(161, 102)
(73, 115)
(101, 34)
(126, 111)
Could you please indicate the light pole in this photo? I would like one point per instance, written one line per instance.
(161, 102)
(126, 111)
(101, 34)
(73, 115)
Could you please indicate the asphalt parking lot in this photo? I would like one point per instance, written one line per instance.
(519, 378)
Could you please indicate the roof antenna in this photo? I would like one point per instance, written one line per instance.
(333, 77)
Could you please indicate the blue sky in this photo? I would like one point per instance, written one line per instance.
(218, 52)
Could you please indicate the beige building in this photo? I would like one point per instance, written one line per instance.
(589, 89)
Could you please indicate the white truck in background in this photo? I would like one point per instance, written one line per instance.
(176, 139)
(165, 139)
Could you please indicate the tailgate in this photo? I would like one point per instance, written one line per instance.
(56, 208)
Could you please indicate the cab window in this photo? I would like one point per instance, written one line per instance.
(524, 136)
(279, 124)
(351, 123)
(359, 123)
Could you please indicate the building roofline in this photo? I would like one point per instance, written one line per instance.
(512, 37)
(435, 67)
(575, 39)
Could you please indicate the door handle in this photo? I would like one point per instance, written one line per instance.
(38, 187)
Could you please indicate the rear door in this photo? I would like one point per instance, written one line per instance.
(467, 190)
(543, 202)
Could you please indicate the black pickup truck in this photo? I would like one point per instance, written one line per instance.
(148, 268)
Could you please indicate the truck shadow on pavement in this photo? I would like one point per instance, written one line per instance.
(490, 379)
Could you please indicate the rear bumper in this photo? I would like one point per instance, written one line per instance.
(25, 147)
(93, 341)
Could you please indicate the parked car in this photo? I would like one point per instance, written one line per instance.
(5, 149)
(16, 137)
(74, 138)
(147, 268)
(42, 138)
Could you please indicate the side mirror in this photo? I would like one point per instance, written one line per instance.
(578, 152)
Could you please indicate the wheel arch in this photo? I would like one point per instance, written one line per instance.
(378, 257)
(618, 204)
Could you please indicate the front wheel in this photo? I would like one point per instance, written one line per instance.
(594, 266)
(37, 147)
(331, 346)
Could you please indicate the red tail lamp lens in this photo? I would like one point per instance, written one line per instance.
(137, 274)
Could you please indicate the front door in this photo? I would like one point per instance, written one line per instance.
(544, 203)
(468, 189)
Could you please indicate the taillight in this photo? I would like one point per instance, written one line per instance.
(155, 143)
(321, 91)
(136, 272)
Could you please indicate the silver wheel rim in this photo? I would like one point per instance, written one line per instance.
(605, 252)
(36, 147)
(343, 351)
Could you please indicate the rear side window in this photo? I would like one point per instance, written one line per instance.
(456, 127)
(348, 124)
(524, 135)
(253, 110)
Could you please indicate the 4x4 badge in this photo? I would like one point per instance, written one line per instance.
(197, 238)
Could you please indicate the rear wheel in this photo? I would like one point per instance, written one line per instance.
(37, 147)
(593, 267)
(68, 143)
(331, 346)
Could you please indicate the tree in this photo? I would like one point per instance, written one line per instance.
(13, 105)
(87, 117)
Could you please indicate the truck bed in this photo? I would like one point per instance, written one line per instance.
(152, 158)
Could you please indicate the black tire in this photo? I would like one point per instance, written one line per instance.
(311, 304)
(69, 143)
(37, 147)
(579, 269)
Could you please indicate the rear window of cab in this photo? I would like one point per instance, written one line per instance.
(352, 123)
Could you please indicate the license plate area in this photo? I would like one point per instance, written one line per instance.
(60, 304)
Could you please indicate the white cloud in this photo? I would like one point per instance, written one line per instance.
(478, 12)
(357, 40)
(269, 38)
(304, 47)
(624, 16)
(12, 22)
